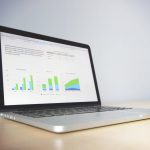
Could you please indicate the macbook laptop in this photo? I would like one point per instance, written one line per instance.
(50, 83)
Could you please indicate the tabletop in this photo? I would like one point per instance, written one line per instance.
(126, 136)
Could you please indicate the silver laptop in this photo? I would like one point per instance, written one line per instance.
(50, 83)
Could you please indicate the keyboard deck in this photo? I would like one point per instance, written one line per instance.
(67, 111)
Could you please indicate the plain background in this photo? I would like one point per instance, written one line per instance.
(118, 32)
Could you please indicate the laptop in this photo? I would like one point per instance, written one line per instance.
(50, 83)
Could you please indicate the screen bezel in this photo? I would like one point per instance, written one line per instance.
(51, 39)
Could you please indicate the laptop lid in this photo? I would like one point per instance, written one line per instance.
(42, 71)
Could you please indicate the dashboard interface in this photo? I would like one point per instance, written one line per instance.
(39, 72)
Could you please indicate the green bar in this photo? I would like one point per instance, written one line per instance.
(56, 80)
(32, 82)
(43, 86)
(24, 83)
(16, 86)
(50, 82)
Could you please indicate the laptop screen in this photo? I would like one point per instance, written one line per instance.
(37, 71)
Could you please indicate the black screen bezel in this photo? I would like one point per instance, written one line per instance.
(51, 39)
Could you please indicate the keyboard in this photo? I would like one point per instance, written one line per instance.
(67, 111)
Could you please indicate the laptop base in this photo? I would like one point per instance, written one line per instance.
(68, 123)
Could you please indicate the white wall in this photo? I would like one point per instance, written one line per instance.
(117, 30)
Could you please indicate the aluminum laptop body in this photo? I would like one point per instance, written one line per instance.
(38, 72)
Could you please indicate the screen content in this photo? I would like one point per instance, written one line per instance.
(40, 72)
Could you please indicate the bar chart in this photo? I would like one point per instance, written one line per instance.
(26, 85)
(49, 84)
(52, 84)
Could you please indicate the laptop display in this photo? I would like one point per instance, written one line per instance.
(37, 71)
